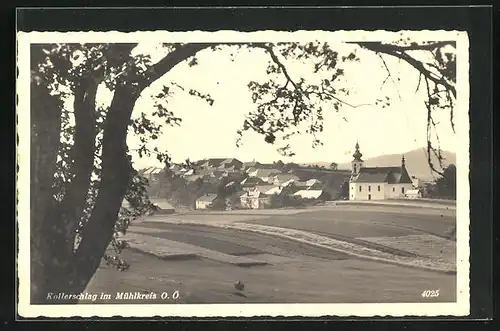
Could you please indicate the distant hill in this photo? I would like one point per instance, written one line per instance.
(416, 162)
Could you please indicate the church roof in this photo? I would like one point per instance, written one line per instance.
(390, 175)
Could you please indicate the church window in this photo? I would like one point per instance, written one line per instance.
(369, 188)
(402, 190)
(360, 188)
(393, 189)
(378, 188)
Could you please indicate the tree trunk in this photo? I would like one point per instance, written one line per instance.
(45, 140)
(59, 271)
(115, 180)
(61, 219)
(82, 155)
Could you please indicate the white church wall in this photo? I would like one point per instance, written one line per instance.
(367, 191)
(397, 191)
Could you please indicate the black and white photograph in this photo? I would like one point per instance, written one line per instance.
(228, 173)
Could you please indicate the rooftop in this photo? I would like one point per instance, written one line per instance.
(309, 194)
(390, 175)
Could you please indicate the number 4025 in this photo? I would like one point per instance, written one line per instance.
(430, 293)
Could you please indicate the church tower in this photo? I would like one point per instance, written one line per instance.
(357, 162)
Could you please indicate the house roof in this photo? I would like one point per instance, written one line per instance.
(390, 175)
(265, 189)
(313, 181)
(215, 161)
(251, 164)
(208, 197)
(266, 172)
(309, 194)
(147, 171)
(162, 203)
(231, 160)
(251, 169)
(176, 166)
(285, 177)
(152, 171)
(143, 171)
(251, 181)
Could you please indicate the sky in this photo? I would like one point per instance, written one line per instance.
(210, 131)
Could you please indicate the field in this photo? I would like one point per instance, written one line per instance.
(202, 255)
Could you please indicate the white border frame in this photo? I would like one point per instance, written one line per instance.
(460, 308)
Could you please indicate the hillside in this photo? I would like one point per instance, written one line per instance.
(416, 162)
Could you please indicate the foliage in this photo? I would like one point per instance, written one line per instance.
(446, 185)
(435, 62)
(344, 190)
(288, 200)
(218, 204)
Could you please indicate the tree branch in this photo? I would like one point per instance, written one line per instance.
(323, 92)
(181, 53)
(400, 52)
(275, 59)
(389, 75)
(430, 121)
(412, 47)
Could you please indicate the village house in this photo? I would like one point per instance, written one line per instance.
(314, 184)
(249, 183)
(417, 183)
(264, 174)
(152, 174)
(413, 194)
(161, 207)
(211, 163)
(328, 180)
(312, 194)
(177, 169)
(254, 200)
(205, 201)
(378, 183)
(260, 196)
(253, 164)
(234, 200)
(284, 179)
(189, 172)
(231, 164)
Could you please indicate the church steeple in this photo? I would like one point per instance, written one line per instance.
(403, 161)
(357, 162)
(357, 154)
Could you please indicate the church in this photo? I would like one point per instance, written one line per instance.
(378, 183)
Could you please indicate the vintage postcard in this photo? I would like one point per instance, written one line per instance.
(239, 174)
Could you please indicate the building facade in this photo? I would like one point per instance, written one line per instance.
(205, 201)
(378, 183)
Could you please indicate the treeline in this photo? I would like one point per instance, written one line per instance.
(444, 187)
